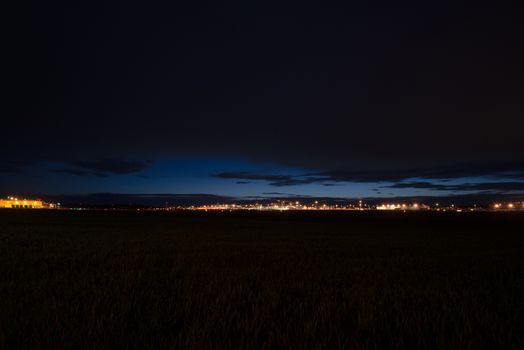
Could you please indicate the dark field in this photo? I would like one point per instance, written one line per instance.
(140, 280)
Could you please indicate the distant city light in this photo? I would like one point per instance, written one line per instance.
(14, 203)
(283, 205)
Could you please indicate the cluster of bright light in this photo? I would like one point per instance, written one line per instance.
(507, 205)
(402, 206)
(279, 206)
(15, 202)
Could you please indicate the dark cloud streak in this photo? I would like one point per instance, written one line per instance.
(273, 180)
(466, 187)
(514, 170)
(104, 168)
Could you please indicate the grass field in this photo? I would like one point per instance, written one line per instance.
(358, 280)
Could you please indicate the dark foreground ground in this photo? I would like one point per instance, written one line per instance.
(101, 280)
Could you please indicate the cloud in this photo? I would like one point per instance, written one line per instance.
(273, 180)
(103, 168)
(505, 187)
(113, 166)
(512, 170)
(79, 172)
(285, 194)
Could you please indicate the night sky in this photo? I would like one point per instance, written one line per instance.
(246, 99)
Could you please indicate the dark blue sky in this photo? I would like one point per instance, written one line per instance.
(233, 177)
(349, 99)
